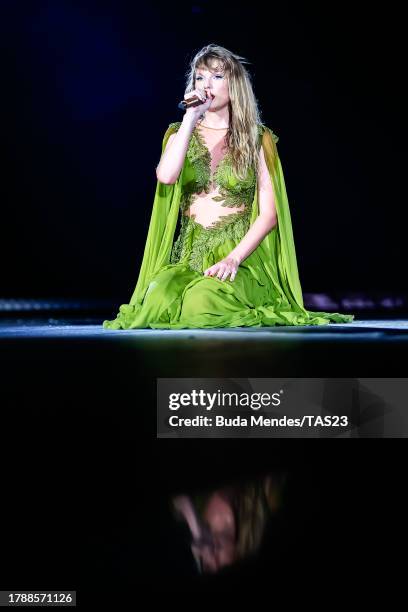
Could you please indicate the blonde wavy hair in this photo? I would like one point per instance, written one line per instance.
(245, 116)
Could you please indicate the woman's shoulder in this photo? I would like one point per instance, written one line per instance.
(262, 128)
(171, 129)
(174, 127)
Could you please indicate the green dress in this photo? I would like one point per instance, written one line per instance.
(171, 290)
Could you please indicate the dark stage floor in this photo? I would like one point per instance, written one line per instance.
(366, 347)
(88, 483)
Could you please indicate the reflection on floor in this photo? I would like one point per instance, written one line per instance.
(89, 480)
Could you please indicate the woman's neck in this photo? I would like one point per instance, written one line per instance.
(216, 121)
(212, 128)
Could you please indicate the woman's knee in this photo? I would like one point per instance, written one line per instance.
(168, 282)
(200, 296)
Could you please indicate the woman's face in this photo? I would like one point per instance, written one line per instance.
(219, 517)
(216, 82)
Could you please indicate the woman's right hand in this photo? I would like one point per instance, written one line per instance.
(196, 111)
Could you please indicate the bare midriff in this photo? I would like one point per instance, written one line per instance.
(203, 208)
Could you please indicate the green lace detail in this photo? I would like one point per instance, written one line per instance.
(240, 195)
(234, 226)
(175, 126)
(201, 159)
(186, 200)
(205, 155)
(177, 248)
(192, 250)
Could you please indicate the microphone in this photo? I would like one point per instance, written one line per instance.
(194, 101)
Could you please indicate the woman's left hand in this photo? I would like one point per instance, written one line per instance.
(222, 269)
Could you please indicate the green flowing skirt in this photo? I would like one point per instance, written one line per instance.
(179, 296)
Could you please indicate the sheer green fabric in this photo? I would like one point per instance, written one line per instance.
(171, 290)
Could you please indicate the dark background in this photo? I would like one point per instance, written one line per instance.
(89, 88)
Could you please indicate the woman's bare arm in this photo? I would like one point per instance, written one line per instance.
(173, 156)
(266, 219)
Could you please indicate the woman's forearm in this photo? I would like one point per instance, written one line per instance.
(173, 156)
(262, 225)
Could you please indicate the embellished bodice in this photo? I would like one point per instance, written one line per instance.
(211, 194)
(215, 205)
